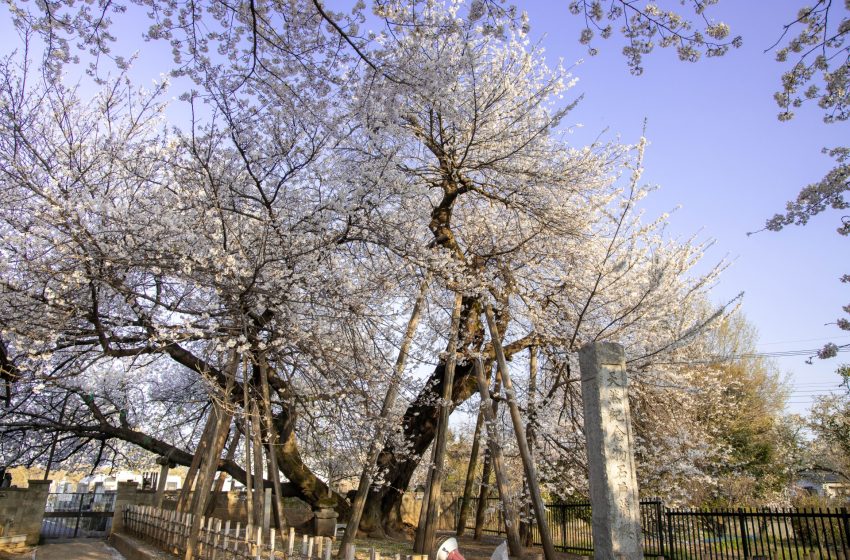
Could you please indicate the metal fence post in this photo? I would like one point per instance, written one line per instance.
(846, 519)
(564, 526)
(744, 539)
(79, 514)
(669, 523)
(659, 522)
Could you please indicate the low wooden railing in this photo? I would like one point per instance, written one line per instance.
(222, 540)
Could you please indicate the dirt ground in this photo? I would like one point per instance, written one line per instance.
(483, 549)
(99, 550)
(78, 549)
(471, 549)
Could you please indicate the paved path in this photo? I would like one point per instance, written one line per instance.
(78, 550)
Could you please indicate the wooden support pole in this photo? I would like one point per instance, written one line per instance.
(511, 517)
(206, 474)
(531, 427)
(258, 466)
(530, 431)
(389, 401)
(419, 537)
(429, 531)
(484, 491)
(273, 440)
(249, 442)
(522, 442)
(267, 509)
(483, 495)
(222, 476)
(470, 478)
(189, 481)
(231, 453)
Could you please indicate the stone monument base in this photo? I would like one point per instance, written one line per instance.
(324, 522)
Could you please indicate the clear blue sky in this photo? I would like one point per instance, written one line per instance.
(717, 149)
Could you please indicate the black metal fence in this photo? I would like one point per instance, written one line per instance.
(690, 534)
(758, 533)
(78, 515)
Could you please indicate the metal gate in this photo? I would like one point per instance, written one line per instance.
(78, 515)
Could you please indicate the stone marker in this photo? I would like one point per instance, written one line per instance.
(324, 520)
(267, 510)
(165, 464)
(610, 453)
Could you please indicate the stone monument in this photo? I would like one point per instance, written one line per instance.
(325, 516)
(610, 453)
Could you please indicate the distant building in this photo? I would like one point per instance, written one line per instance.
(827, 484)
(102, 482)
(109, 482)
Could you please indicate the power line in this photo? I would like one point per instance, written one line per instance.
(784, 353)
(817, 384)
(824, 339)
(720, 359)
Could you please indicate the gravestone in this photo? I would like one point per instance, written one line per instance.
(610, 453)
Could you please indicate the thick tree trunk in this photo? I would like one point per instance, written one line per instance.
(420, 421)
(419, 426)
(310, 487)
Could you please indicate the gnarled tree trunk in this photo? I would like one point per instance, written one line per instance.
(419, 427)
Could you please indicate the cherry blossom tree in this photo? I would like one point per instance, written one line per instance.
(129, 241)
(540, 229)
(274, 246)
